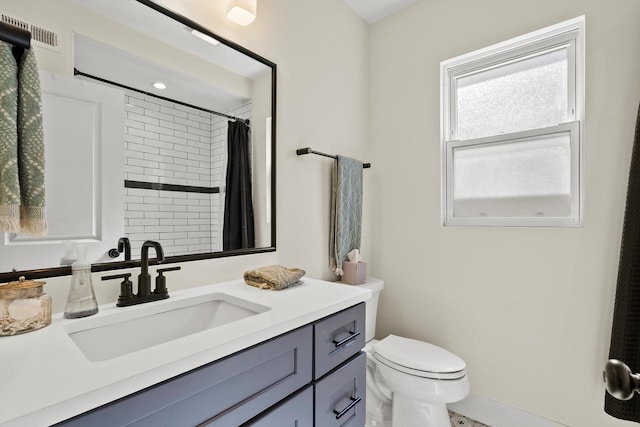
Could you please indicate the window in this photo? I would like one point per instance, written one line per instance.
(512, 131)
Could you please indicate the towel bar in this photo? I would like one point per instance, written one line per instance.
(308, 150)
(15, 35)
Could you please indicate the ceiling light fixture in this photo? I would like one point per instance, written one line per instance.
(203, 36)
(159, 85)
(242, 12)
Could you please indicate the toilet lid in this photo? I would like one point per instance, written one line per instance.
(418, 358)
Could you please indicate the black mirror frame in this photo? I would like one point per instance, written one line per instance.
(108, 266)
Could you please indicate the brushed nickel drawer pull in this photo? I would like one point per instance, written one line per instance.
(348, 339)
(354, 402)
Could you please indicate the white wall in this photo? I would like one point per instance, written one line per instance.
(261, 154)
(528, 309)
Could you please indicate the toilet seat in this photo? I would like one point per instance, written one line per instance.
(418, 358)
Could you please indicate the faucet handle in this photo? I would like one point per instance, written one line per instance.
(126, 288)
(163, 270)
(161, 281)
(113, 253)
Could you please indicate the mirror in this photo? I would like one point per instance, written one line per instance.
(126, 159)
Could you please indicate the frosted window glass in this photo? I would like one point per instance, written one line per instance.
(524, 178)
(528, 94)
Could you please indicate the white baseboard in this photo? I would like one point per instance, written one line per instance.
(497, 414)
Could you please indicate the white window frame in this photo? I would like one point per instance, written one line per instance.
(569, 35)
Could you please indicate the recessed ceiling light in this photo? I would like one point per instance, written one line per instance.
(242, 12)
(159, 85)
(203, 36)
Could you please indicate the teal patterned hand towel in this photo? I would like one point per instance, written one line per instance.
(9, 181)
(346, 211)
(31, 147)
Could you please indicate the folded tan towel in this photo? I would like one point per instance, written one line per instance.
(273, 277)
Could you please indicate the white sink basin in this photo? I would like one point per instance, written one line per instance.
(125, 330)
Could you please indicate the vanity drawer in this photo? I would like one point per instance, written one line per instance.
(337, 338)
(340, 396)
(224, 393)
(296, 411)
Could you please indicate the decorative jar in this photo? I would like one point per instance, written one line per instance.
(23, 307)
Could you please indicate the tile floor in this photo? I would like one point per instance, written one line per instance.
(458, 420)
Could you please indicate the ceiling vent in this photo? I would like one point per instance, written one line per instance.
(39, 35)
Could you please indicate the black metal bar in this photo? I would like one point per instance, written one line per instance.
(170, 187)
(41, 273)
(77, 72)
(354, 402)
(308, 150)
(17, 36)
(194, 25)
(353, 335)
(44, 273)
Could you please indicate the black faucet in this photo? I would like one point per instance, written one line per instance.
(144, 279)
(127, 297)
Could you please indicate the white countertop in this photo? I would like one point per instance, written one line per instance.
(45, 378)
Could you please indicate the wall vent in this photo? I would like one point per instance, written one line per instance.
(39, 35)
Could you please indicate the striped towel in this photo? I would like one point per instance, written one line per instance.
(31, 147)
(9, 181)
(22, 183)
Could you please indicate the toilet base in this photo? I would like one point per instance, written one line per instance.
(370, 422)
(378, 400)
(409, 412)
(378, 412)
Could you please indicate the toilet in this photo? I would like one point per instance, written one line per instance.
(409, 382)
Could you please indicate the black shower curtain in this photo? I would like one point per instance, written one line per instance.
(625, 332)
(238, 229)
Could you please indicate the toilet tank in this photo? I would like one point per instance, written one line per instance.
(371, 308)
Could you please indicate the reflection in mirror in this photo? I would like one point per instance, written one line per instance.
(155, 129)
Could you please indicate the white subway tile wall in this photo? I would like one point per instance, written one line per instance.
(169, 143)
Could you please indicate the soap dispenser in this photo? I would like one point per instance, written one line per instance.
(69, 254)
(81, 301)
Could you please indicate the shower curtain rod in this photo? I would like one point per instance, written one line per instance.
(77, 72)
(308, 150)
(14, 35)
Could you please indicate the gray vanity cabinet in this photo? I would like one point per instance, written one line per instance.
(337, 338)
(340, 369)
(224, 393)
(313, 375)
(340, 396)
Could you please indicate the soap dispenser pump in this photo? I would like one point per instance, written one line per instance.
(81, 301)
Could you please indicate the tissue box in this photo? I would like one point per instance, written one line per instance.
(354, 273)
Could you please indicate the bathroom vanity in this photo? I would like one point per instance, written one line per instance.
(293, 356)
